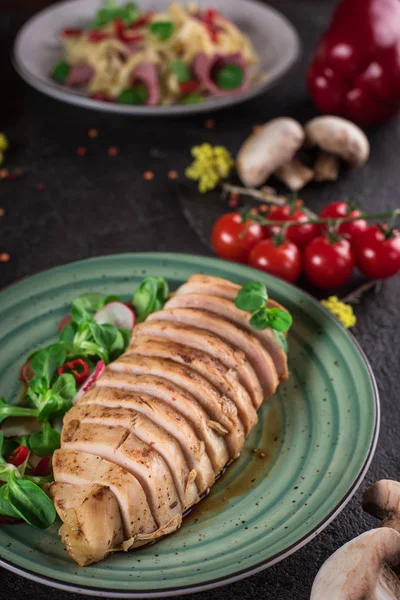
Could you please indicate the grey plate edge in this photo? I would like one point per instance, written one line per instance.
(54, 91)
(219, 582)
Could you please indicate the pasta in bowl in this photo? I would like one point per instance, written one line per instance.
(181, 56)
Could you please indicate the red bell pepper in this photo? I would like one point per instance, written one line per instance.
(43, 467)
(355, 72)
(78, 368)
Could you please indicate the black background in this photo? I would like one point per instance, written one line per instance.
(99, 205)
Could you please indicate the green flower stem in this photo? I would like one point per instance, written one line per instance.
(392, 214)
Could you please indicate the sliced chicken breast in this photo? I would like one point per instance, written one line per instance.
(81, 468)
(232, 358)
(125, 450)
(215, 286)
(225, 380)
(206, 429)
(150, 433)
(259, 358)
(164, 416)
(218, 407)
(92, 525)
(227, 310)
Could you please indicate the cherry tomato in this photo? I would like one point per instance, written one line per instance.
(378, 256)
(282, 260)
(342, 209)
(328, 265)
(234, 239)
(300, 235)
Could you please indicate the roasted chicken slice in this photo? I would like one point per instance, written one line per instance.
(150, 433)
(166, 417)
(207, 430)
(232, 358)
(218, 407)
(81, 468)
(92, 525)
(125, 450)
(226, 309)
(259, 358)
(225, 380)
(215, 286)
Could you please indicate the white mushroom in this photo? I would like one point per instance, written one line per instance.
(337, 138)
(382, 500)
(270, 150)
(360, 570)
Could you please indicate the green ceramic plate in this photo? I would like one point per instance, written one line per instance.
(314, 441)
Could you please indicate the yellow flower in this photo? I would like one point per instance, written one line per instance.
(210, 165)
(344, 312)
(3, 142)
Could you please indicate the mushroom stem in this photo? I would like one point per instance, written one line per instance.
(382, 500)
(294, 175)
(326, 167)
(360, 570)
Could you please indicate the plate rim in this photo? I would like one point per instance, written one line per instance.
(162, 111)
(262, 565)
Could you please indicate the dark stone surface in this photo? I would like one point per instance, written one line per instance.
(98, 205)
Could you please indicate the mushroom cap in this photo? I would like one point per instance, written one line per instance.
(339, 137)
(268, 148)
(382, 500)
(360, 570)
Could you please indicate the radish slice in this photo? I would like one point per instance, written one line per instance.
(116, 313)
(100, 366)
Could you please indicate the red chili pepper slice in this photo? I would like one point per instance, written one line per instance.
(97, 36)
(18, 456)
(43, 467)
(189, 86)
(78, 368)
(26, 372)
(71, 32)
(209, 15)
(9, 521)
(64, 322)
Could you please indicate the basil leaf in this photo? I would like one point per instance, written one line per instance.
(260, 319)
(45, 441)
(192, 99)
(229, 77)
(182, 71)
(5, 507)
(46, 361)
(128, 13)
(61, 71)
(279, 319)
(252, 296)
(136, 95)
(281, 339)
(30, 503)
(162, 29)
(65, 386)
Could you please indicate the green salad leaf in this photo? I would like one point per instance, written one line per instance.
(45, 441)
(150, 297)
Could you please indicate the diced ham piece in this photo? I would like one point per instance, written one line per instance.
(203, 67)
(147, 74)
(79, 75)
